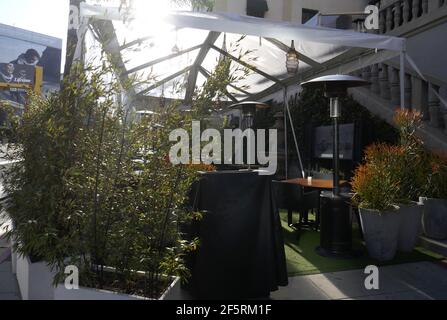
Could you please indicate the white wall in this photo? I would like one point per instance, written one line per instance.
(330, 6)
(277, 11)
(235, 6)
(334, 6)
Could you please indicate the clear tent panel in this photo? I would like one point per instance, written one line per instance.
(159, 33)
(172, 89)
(156, 31)
(157, 46)
(162, 70)
(264, 55)
(141, 46)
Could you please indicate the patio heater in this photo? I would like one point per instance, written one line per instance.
(248, 110)
(336, 228)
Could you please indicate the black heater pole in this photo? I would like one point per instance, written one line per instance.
(335, 114)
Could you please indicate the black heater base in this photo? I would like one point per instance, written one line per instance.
(335, 227)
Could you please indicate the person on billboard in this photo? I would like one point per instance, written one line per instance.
(31, 58)
(7, 73)
(6, 76)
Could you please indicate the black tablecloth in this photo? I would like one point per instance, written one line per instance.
(241, 252)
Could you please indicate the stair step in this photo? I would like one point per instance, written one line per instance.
(438, 246)
(434, 139)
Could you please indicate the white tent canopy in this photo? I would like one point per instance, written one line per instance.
(144, 54)
(184, 47)
(233, 23)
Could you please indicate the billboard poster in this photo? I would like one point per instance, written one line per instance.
(16, 74)
(20, 52)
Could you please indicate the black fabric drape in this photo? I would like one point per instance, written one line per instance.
(241, 254)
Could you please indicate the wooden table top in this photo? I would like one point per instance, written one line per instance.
(316, 183)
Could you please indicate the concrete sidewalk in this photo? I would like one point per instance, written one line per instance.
(413, 281)
(9, 289)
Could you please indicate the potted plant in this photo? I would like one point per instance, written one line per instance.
(434, 221)
(376, 190)
(411, 175)
(77, 199)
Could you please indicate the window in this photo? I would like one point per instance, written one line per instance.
(257, 8)
(308, 14)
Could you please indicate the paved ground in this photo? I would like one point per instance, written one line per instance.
(9, 289)
(413, 281)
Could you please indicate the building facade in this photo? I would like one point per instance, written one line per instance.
(292, 10)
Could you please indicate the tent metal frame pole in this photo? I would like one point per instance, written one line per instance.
(207, 74)
(162, 59)
(286, 147)
(302, 57)
(292, 127)
(402, 80)
(162, 82)
(246, 65)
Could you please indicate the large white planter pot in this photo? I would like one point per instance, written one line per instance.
(410, 227)
(35, 279)
(61, 293)
(381, 232)
(434, 219)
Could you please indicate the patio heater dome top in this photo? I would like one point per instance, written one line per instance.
(248, 110)
(336, 84)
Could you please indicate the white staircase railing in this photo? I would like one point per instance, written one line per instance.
(395, 14)
(421, 95)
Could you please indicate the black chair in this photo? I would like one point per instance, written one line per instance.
(291, 197)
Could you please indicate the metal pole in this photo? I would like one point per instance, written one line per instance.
(402, 79)
(303, 174)
(286, 150)
(336, 159)
(335, 113)
(249, 124)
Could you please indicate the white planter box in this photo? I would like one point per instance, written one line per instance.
(61, 293)
(35, 279)
(36, 283)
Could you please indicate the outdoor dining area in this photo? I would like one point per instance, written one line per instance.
(106, 182)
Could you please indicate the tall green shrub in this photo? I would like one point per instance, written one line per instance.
(78, 197)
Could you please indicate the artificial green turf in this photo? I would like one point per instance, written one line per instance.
(302, 259)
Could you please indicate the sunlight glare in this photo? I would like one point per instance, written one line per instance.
(149, 17)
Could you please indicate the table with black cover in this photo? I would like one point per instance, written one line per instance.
(241, 252)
